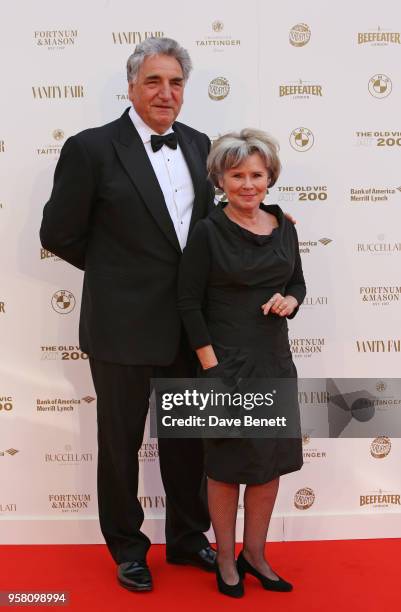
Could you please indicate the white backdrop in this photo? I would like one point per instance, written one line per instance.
(324, 79)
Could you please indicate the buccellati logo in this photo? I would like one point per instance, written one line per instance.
(301, 139)
(300, 35)
(380, 447)
(63, 301)
(380, 86)
(219, 88)
(304, 498)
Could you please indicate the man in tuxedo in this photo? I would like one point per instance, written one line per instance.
(125, 198)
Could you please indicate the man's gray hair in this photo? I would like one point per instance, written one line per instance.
(230, 150)
(158, 46)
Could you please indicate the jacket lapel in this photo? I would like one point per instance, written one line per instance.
(131, 152)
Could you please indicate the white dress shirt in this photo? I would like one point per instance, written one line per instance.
(173, 176)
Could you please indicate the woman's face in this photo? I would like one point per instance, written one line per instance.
(245, 185)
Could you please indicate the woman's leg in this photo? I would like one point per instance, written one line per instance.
(223, 505)
(258, 507)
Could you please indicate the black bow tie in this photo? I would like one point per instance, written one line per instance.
(157, 141)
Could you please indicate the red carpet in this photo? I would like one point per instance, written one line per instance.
(355, 575)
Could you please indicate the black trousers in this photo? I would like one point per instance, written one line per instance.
(122, 405)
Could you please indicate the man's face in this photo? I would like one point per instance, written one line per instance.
(158, 92)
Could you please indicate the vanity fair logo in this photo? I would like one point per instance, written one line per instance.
(392, 345)
(61, 405)
(375, 138)
(301, 139)
(302, 193)
(304, 498)
(219, 88)
(380, 86)
(306, 347)
(317, 398)
(219, 40)
(63, 301)
(380, 295)
(149, 452)
(69, 502)
(307, 246)
(57, 92)
(64, 352)
(152, 501)
(8, 508)
(52, 149)
(380, 499)
(6, 403)
(380, 447)
(300, 35)
(313, 302)
(300, 90)
(378, 37)
(374, 195)
(9, 451)
(2, 308)
(134, 38)
(381, 247)
(69, 457)
(55, 40)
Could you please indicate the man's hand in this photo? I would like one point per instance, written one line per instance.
(279, 305)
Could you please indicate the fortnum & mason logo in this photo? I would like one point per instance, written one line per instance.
(55, 40)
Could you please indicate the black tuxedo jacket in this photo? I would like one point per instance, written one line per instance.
(107, 216)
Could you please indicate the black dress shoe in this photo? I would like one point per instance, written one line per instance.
(244, 567)
(232, 590)
(204, 558)
(135, 576)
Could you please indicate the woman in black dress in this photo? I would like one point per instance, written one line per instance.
(241, 278)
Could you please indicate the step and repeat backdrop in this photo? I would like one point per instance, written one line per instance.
(324, 79)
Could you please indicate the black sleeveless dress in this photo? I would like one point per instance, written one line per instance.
(226, 274)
